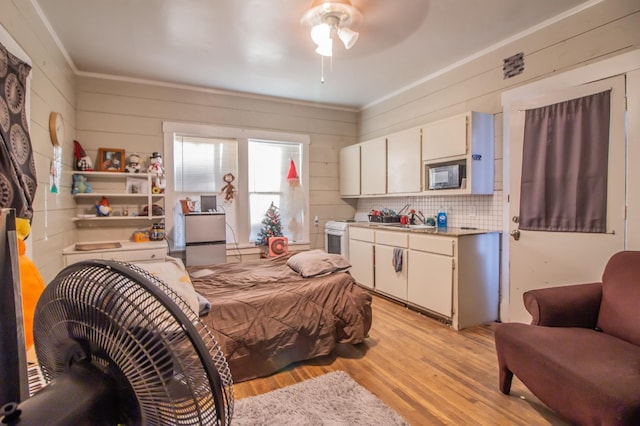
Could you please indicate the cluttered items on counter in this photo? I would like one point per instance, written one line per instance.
(386, 215)
(383, 216)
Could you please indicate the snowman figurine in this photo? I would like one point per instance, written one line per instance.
(155, 169)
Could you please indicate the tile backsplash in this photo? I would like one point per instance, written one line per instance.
(478, 211)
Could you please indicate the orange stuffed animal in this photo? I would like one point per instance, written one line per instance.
(30, 280)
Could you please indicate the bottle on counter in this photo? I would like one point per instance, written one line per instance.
(442, 218)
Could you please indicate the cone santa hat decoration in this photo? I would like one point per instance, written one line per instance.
(292, 176)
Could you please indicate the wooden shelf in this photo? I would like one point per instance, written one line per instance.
(110, 218)
(115, 194)
(116, 175)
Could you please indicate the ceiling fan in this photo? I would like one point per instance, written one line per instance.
(328, 19)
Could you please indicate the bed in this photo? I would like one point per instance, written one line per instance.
(265, 315)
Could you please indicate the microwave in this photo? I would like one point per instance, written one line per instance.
(447, 177)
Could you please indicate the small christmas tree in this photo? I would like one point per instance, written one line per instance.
(272, 227)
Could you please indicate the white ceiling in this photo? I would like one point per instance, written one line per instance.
(261, 47)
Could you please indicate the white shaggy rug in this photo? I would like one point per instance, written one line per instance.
(331, 399)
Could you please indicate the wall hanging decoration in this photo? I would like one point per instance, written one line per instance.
(57, 134)
(111, 160)
(18, 181)
(228, 190)
(293, 203)
(56, 169)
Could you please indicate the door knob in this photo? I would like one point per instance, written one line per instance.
(515, 234)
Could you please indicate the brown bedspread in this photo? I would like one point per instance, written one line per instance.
(265, 316)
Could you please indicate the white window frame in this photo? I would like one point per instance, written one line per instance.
(170, 129)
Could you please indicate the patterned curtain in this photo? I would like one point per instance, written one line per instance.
(17, 168)
(565, 161)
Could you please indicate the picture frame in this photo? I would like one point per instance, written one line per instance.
(111, 160)
(136, 186)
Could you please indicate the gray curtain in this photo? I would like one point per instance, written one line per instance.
(564, 166)
(17, 169)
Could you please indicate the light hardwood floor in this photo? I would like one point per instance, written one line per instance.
(426, 371)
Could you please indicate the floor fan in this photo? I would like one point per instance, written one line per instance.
(118, 346)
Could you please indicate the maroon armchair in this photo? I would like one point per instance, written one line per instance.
(581, 353)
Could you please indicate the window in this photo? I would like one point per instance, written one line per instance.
(269, 164)
(200, 163)
(196, 158)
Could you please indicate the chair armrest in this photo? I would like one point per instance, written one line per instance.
(567, 306)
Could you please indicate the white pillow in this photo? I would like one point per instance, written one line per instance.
(314, 263)
(173, 273)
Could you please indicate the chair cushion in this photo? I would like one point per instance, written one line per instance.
(586, 376)
(621, 297)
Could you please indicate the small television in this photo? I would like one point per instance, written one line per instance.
(208, 203)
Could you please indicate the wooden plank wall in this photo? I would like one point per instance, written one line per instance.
(109, 113)
(125, 114)
(604, 30)
(52, 89)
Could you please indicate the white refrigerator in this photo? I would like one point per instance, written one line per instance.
(205, 238)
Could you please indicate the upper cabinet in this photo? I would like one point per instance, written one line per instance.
(373, 167)
(400, 163)
(350, 171)
(466, 140)
(403, 162)
(445, 138)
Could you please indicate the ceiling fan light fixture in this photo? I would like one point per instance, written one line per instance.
(348, 37)
(325, 48)
(332, 17)
(320, 33)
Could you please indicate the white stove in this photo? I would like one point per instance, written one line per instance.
(336, 234)
(337, 225)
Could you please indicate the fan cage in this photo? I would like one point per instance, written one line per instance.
(140, 331)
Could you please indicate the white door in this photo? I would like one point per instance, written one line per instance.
(547, 259)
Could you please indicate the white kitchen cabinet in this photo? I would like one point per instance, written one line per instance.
(361, 255)
(431, 271)
(404, 167)
(452, 275)
(466, 139)
(456, 278)
(446, 138)
(373, 167)
(350, 171)
(387, 279)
